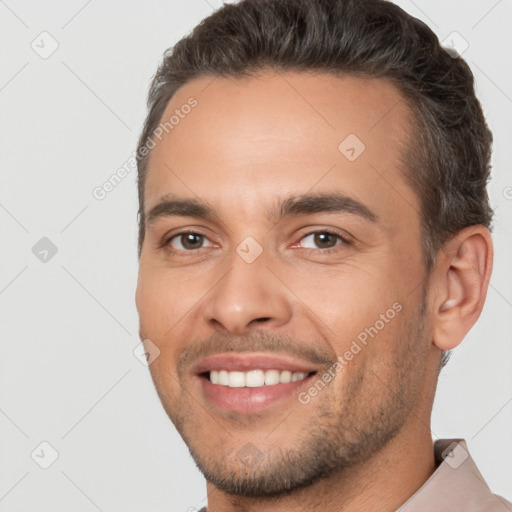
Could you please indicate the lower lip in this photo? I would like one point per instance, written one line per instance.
(249, 400)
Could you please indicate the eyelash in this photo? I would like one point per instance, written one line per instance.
(344, 241)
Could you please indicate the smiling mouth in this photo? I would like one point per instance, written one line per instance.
(249, 383)
(256, 378)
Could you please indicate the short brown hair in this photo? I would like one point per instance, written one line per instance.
(448, 156)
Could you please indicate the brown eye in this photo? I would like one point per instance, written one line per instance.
(322, 240)
(325, 240)
(188, 241)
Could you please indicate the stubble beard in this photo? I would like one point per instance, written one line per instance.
(341, 433)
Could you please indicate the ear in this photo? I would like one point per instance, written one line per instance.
(462, 275)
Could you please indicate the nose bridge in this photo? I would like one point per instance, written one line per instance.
(247, 292)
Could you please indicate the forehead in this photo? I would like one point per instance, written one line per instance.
(282, 132)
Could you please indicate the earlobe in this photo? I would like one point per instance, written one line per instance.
(462, 280)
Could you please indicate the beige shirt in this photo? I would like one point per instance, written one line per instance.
(456, 485)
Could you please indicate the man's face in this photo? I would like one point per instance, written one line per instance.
(272, 287)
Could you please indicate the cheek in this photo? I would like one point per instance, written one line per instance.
(165, 303)
(147, 303)
(350, 301)
(362, 317)
(159, 301)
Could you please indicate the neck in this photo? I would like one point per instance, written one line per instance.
(381, 484)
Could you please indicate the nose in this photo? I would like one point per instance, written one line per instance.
(248, 296)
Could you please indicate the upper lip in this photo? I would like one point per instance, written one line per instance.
(245, 362)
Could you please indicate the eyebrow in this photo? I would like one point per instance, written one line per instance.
(292, 206)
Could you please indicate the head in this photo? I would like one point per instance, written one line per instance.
(272, 120)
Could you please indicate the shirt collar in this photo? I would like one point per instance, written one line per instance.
(456, 484)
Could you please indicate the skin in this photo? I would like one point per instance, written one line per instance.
(364, 442)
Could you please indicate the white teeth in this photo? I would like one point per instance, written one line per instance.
(254, 378)
(271, 377)
(223, 378)
(236, 379)
(285, 377)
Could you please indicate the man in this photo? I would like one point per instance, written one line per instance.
(314, 240)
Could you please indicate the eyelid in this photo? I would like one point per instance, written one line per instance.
(344, 238)
(167, 238)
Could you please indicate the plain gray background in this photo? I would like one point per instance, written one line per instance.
(68, 323)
